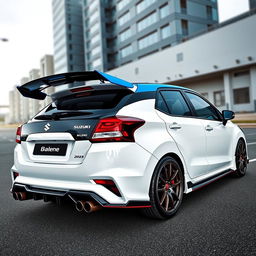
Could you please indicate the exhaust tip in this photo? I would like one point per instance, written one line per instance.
(15, 195)
(80, 205)
(90, 206)
(21, 196)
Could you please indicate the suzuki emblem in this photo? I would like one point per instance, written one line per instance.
(47, 127)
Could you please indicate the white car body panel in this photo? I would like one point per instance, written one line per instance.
(203, 153)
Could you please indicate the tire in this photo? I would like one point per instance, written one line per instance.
(241, 159)
(166, 189)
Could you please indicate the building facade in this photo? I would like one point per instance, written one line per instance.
(24, 103)
(252, 4)
(68, 36)
(22, 108)
(120, 31)
(220, 64)
(46, 69)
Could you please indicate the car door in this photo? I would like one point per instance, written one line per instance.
(186, 131)
(218, 136)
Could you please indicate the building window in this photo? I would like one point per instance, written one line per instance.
(183, 6)
(95, 39)
(121, 4)
(112, 58)
(95, 51)
(219, 98)
(215, 14)
(146, 22)
(96, 63)
(184, 26)
(242, 73)
(93, 17)
(126, 51)
(125, 34)
(148, 40)
(205, 95)
(165, 31)
(164, 11)
(241, 95)
(111, 42)
(141, 6)
(94, 28)
(124, 18)
(92, 5)
(209, 12)
(179, 57)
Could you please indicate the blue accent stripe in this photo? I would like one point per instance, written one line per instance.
(154, 87)
(115, 80)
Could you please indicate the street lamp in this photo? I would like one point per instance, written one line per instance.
(4, 39)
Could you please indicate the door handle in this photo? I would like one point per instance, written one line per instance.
(208, 128)
(174, 126)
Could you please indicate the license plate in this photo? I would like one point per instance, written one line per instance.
(50, 149)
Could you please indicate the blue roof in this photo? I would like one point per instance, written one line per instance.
(154, 87)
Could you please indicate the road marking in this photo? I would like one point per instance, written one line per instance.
(251, 143)
(253, 160)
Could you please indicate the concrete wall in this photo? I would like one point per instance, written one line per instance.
(209, 53)
(215, 55)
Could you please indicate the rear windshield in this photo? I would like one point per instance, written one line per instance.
(92, 100)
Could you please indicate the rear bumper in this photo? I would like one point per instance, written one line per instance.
(129, 165)
(78, 195)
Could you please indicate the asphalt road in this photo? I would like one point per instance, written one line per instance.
(219, 219)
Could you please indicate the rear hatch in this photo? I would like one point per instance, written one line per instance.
(60, 133)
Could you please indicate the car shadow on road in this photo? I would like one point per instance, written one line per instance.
(65, 217)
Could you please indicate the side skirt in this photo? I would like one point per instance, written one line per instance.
(205, 182)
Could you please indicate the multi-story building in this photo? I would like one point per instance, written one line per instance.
(121, 31)
(220, 64)
(46, 69)
(252, 4)
(34, 105)
(68, 36)
(22, 108)
(24, 103)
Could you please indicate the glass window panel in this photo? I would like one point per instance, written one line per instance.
(148, 40)
(202, 108)
(146, 22)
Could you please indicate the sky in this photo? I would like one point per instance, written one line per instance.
(28, 26)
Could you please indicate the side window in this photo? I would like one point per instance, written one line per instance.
(160, 103)
(176, 104)
(202, 108)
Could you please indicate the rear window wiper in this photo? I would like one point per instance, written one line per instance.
(59, 115)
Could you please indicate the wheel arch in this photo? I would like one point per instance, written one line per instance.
(180, 161)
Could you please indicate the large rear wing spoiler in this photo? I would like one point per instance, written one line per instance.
(34, 89)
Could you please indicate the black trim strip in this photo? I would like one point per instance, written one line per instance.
(17, 187)
(207, 181)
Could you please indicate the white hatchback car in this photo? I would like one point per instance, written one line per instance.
(121, 144)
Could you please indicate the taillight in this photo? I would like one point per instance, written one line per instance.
(18, 134)
(15, 175)
(110, 185)
(117, 128)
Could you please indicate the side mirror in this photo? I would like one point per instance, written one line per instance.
(227, 115)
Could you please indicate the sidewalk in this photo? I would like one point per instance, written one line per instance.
(246, 120)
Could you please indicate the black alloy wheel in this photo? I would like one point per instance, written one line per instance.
(241, 158)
